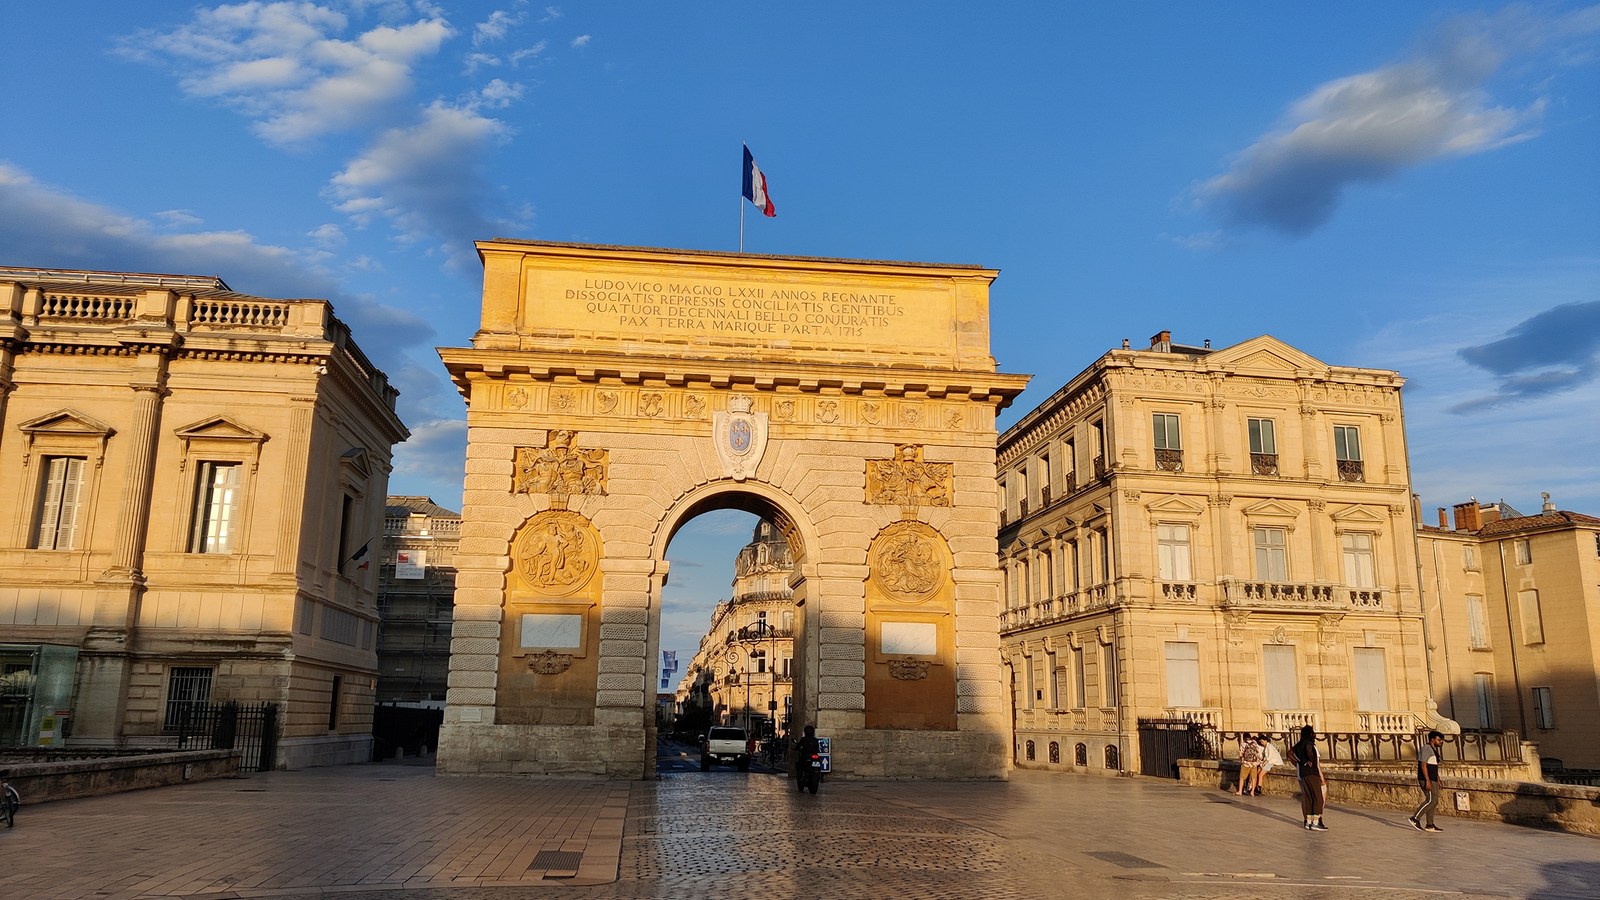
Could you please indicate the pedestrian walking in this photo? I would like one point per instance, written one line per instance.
(1249, 765)
(1270, 757)
(1428, 780)
(1313, 783)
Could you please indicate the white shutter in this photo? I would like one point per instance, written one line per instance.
(1477, 627)
(1372, 684)
(1283, 687)
(1183, 674)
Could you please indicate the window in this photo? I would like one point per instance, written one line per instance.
(1358, 565)
(347, 506)
(188, 692)
(1477, 623)
(1183, 674)
(1044, 480)
(1055, 684)
(1347, 451)
(1029, 746)
(1168, 442)
(1524, 553)
(1484, 687)
(61, 503)
(1372, 683)
(1282, 687)
(216, 506)
(1105, 555)
(1055, 752)
(1048, 570)
(1027, 667)
(1172, 552)
(1272, 555)
(759, 658)
(1026, 490)
(1077, 580)
(1263, 447)
(1108, 675)
(1098, 430)
(1532, 621)
(1544, 715)
(1080, 693)
(333, 702)
(1069, 464)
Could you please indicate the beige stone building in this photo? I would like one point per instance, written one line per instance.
(615, 393)
(1514, 624)
(186, 472)
(1221, 536)
(749, 648)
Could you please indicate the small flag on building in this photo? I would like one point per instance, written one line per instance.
(361, 555)
(755, 186)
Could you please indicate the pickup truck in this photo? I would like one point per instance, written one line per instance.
(724, 746)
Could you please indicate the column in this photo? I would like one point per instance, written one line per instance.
(133, 514)
(292, 501)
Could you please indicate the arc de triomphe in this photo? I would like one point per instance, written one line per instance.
(614, 393)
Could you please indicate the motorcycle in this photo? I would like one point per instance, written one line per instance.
(808, 773)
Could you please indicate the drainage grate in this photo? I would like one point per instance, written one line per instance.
(1125, 860)
(557, 860)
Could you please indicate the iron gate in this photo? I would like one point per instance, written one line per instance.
(1162, 742)
(252, 730)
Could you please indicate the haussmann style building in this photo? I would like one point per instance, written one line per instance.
(1219, 536)
(1514, 624)
(188, 475)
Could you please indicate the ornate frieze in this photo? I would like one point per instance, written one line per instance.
(908, 481)
(908, 669)
(559, 469)
(550, 662)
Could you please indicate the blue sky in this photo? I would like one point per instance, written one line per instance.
(1408, 186)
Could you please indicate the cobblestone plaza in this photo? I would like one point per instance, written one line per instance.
(393, 831)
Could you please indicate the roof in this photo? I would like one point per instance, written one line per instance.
(724, 253)
(67, 279)
(1517, 524)
(407, 505)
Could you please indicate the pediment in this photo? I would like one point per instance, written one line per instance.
(66, 422)
(1358, 515)
(1270, 509)
(1175, 505)
(1266, 354)
(357, 461)
(220, 427)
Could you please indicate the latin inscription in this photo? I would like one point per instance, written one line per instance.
(828, 315)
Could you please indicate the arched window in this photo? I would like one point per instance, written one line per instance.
(1080, 754)
(1030, 750)
(1111, 757)
(1055, 752)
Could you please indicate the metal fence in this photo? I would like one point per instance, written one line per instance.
(1362, 747)
(252, 730)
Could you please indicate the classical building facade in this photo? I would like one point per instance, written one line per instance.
(416, 597)
(1514, 624)
(749, 648)
(1221, 536)
(187, 473)
(615, 393)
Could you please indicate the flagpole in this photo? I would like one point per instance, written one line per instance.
(741, 223)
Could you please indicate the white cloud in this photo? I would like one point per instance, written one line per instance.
(581, 40)
(329, 236)
(551, 13)
(179, 218)
(520, 55)
(427, 180)
(495, 27)
(499, 94)
(476, 61)
(434, 457)
(1369, 127)
(280, 64)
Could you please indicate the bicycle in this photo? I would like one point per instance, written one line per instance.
(10, 801)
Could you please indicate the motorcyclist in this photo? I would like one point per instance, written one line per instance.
(806, 749)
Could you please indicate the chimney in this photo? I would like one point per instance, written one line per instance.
(1548, 508)
(1444, 519)
(1125, 344)
(1416, 510)
(1161, 342)
(1467, 516)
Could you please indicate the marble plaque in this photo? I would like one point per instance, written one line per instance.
(910, 639)
(552, 630)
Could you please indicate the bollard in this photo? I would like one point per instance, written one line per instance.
(399, 753)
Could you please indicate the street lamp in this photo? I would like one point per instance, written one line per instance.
(732, 658)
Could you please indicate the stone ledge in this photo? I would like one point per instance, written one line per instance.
(1561, 806)
(64, 780)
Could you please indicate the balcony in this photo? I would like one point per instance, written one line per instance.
(1099, 467)
(1204, 716)
(1044, 496)
(1263, 464)
(1366, 598)
(1278, 595)
(1178, 591)
(1071, 484)
(1389, 722)
(1350, 470)
(1288, 719)
(1169, 460)
(1022, 506)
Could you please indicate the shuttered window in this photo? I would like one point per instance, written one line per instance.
(61, 503)
(1477, 623)
(1283, 686)
(1183, 674)
(1372, 682)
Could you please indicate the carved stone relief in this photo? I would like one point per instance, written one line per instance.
(906, 562)
(550, 662)
(871, 412)
(827, 411)
(556, 552)
(694, 406)
(783, 410)
(908, 669)
(606, 401)
(517, 398)
(563, 401)
(908, 481)
(740, 436)
(559, 469)
(651, 404)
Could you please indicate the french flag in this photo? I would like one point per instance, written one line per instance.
(755, 186)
